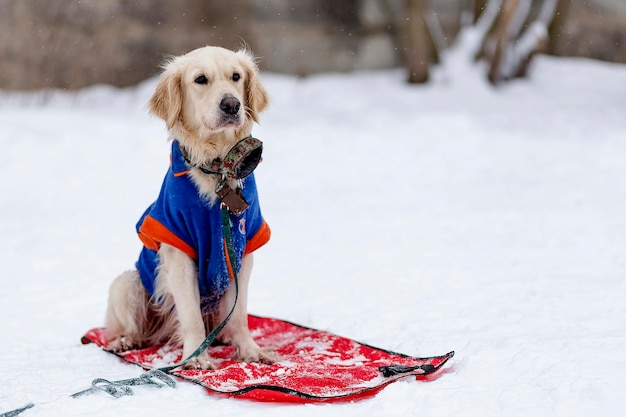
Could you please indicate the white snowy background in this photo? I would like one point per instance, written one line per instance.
(451, 216)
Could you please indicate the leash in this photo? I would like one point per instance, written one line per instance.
(17, 411)
(160, 377)
(239, 162)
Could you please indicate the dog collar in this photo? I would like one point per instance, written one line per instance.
(238, 163)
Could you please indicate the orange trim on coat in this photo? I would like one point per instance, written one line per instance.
(181, 173)
(152, 233)
(228, 264)
(261, 237)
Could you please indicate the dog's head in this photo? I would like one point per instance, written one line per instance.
(209, 90)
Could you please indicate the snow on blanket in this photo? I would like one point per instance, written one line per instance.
(313, 365)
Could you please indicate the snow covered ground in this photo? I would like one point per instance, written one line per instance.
(424, 219)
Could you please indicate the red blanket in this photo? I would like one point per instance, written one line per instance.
(313, 365)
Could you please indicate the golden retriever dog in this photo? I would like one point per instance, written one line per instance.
(209, 100)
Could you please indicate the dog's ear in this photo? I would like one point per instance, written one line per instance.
(167, 100)
(256, 96)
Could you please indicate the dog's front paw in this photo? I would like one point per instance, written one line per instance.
(200, 362)
(122, 344)
(257, 354)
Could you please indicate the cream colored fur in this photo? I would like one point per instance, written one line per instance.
(193, 116)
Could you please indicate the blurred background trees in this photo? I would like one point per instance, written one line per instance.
(506, 34)
(72, 44)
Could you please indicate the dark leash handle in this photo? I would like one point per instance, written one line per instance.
(393, 370)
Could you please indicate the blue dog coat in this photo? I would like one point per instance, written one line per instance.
(180, 217)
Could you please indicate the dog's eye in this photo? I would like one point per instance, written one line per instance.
(201, 80)
(236, 76)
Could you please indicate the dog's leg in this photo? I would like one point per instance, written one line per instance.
(126, 312)
(178, 278)
(236, 331)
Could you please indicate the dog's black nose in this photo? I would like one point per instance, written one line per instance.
(230, 105)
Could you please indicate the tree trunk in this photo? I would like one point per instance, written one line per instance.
(558, 22)
(501, 41)
(419, 43)
(479, 7)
